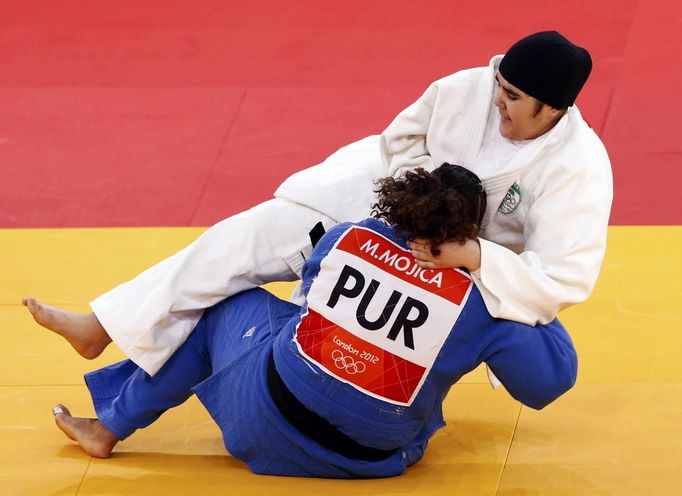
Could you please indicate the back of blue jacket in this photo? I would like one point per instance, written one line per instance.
(380, 340)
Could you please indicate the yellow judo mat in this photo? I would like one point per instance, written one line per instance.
(619, 431)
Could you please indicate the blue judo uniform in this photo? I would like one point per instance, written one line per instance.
(352, 383)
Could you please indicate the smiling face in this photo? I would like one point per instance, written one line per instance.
(522, 117)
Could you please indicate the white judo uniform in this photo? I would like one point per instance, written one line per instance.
(542, 241)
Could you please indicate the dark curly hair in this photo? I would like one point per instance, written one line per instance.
(446, 204)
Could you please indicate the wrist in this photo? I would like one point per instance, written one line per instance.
(474, 255)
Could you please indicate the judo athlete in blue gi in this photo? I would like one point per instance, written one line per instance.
(351, 384)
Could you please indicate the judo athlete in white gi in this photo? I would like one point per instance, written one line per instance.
(513, 123)
(351, 384)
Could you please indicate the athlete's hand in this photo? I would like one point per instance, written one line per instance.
(449, 255)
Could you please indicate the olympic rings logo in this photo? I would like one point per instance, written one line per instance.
(347, 363)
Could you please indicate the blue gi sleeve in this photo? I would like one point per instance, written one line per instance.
(535, 364)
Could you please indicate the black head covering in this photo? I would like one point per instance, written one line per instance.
(548, 67)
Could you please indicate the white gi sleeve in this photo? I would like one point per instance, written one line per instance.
(565, 240)
(403, 142)
(445, 124)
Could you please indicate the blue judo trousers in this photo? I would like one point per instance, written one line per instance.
(373, 353)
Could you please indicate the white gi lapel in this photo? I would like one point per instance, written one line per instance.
(497, 186)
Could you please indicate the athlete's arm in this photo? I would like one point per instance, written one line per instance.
(403, 142)
(565, 241)
(535, 364)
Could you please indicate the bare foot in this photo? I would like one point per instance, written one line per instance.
(95, 439)
(82, 331)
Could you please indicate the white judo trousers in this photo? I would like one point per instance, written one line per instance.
(150, 316)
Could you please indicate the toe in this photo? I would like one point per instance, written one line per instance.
(32, 305)
(60, 409)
